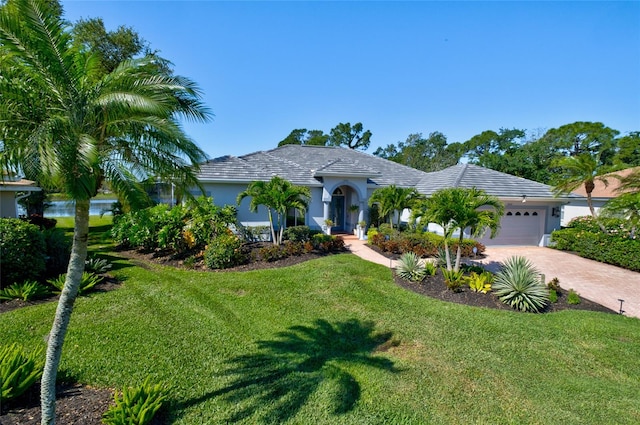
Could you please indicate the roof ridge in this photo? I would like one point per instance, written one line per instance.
(460, 175)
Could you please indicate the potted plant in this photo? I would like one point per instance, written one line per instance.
(353, 209)
(329, 224)
(362, 225)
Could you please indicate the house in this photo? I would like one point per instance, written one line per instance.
(342, 180)
(12, 189)
(601, 194)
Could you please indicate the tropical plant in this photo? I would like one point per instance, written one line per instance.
(553, 296)
(480, 282)
(87, 282)
(518, 284)
(458, 209)
(18, 370)
(410, 267)
(224, 251)
(97, 265)
(84, 128)
(453, 279)
(277, 195)
(430, 268)
(626, 206)
(392, 199)
(136, 406)
(554, 284)
(25, 291)
(573, 298)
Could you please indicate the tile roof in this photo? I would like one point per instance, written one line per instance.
(306, 165)
(610, 189)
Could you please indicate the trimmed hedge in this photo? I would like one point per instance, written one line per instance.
(611, 249)
(423, 244)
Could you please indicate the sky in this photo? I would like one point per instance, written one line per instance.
(459, 68)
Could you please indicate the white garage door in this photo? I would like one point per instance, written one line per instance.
(518, 227)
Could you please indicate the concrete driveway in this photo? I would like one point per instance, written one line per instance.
(602, 283)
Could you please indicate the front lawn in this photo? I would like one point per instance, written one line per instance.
(336, 341)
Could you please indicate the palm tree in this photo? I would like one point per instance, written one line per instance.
(627, 204)
(458, 209)
(580, 170)
(66, 122)
(393, 198)
(278, 195)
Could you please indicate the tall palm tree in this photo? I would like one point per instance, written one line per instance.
(392, 198)
(458, 209)
(75, 128)
(580, 170)
(278, 195)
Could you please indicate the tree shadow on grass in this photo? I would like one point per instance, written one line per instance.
(277, 381)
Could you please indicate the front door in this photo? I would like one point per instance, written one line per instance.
(336, 210)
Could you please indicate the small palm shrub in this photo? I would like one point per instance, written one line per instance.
(573, 298)
(25, 291)
(136, 406)
(18, 370)
(480, 282)
(87, 282)
(518, 284)
(96, 265)
(453, 279)
(430, 268)
(410, 267)
(225, 250)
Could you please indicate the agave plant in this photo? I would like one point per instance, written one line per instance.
(410, 267)
(518, 284)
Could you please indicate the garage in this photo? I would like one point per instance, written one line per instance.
(518, 227)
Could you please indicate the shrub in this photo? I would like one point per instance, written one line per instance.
(430, 268)
(480, 282)
(573, 298)
(87, 282)
(554, 285)
(225, 250)
(96, 265)
(371, 233)
(293, 249)
(58, 251)
(518, 284)
(136, 406)
(297, 233)
(22, 251)
(171, 235)
(272, 253)
(25, 291)
(553, 296)
(18, 370)
(40, 221)
(410, 267)
(453, 279)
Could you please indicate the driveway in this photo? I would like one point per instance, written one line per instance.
(602, 283)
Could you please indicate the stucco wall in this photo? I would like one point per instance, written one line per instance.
(7, 205)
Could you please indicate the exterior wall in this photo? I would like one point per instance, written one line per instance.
(579, 208)
(7, 205)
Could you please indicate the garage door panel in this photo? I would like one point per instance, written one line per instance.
(518, 227)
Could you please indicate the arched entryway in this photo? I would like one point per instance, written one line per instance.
(345, 209)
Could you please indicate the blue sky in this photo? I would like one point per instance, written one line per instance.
(460, 68)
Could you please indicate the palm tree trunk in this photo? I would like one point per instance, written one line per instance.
(63, 312)
(459, 251)
(273, 229)
(593, 211)
(447, 255)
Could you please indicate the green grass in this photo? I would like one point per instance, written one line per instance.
(298, 345)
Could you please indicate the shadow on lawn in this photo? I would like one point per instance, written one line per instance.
(277, 381)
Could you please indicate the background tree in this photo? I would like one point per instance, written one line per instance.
(278, 195)
(628, 153)
(458, 209)
(392, 199)
(583, 137)
(86, 128)
(430, 154)
(488, 148)
(302, 136)
(352, 137)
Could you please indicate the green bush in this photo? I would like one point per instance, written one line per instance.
(430, 268)
(87, 282)
(18, 370)
(424, 244)
(327, 243)
(225, 250)
(58, 251)
(297, 233)
(22, 251)
(25, 291)
(272, 253)
(518, 284)
(410, 267)
(453, 279)
(573, 298)
(136, 406)
(553, 296)
(606, 248)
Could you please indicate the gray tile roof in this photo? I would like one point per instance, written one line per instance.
(306, 165)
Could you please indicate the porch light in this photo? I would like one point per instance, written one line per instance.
(524, 198)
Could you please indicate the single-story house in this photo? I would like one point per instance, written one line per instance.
(577, 207)
(342, 180)
(12, 189)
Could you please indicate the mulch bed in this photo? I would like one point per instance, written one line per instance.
(81, 405)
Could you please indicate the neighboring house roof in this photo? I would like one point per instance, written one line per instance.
(306, 165)
(609, 190)
(22, 185)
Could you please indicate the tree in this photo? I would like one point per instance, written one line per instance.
(352, 137)
(392, 198)
(278, 195)
(488, 148)
(458, 209)
(430, 154)
(86, 128)
(302, 136)
(628, 150)
(626, 206)
(584, 137)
